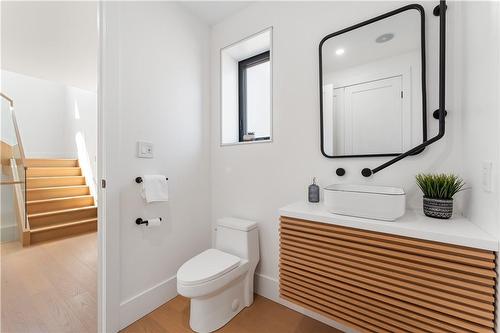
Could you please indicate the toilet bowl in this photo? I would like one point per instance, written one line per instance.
(219, 281)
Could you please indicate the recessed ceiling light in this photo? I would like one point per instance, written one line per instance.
(339, 51)
(384, 38)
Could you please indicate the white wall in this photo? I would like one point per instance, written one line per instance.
(40, 108)
(52, 40)
(49, 67)
(154, 89)
(80, 129)
(254, 181)
(55, 120)
(479, 54)
(229, 96)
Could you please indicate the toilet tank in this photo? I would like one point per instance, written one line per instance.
(238, 237)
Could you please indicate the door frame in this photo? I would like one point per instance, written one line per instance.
(108, 274)
(101, 203)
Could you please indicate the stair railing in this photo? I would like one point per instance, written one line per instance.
(14, 162)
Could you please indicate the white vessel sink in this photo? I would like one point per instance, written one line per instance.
(374, 202)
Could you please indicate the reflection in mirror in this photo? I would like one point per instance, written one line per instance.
(373, 87)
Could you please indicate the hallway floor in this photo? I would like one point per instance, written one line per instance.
(49, 287)
(264, 316)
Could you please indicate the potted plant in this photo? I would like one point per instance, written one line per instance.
(439, 190)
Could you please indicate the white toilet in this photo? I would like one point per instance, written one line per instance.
(220, 281)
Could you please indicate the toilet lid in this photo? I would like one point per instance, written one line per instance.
(206, 266)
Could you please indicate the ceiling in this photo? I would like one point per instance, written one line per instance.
(360, 47)
(213, 12)
(55, 41)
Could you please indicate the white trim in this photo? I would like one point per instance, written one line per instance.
(496, 10)
(108, 212)
(268, 287)
(101, 230)
(143, 303)
(245, 143)
(8, 233)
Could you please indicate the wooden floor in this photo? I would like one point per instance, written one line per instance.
(52, 287)
(264, 316)
(49, 287)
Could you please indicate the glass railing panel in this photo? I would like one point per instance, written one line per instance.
(13, 170)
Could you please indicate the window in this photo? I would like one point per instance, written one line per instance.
(254, 98)
(246, 92)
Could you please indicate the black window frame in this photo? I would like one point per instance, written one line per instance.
(243, 65)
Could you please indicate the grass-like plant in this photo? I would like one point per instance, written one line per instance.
(439, 186)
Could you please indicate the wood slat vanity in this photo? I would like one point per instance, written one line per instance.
(372, 276)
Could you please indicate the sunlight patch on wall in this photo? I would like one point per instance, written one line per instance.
(77, 110)
(84, 160)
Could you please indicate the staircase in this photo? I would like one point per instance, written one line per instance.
(59, 203)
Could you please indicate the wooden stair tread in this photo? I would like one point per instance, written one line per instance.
(54, 181)
(55, 187)
(60, 202)
(55, 167)
(51, 192)
(59, 199)
(62, 230)
(61, 211)
(41, 162)
(54, 171)
(62, 225)
(50, 159)
(53, 177)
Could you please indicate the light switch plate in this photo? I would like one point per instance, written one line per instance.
(487, 170)
(144, 149)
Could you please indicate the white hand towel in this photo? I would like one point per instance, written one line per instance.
(154, 188)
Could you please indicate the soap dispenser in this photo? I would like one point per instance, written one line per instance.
(313, 193)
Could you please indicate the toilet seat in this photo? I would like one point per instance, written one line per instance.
(206, 266)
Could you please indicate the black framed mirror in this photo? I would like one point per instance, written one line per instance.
(373, 86)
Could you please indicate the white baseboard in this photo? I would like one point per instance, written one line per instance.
(8, 233)
(269, 288)
(141, 304)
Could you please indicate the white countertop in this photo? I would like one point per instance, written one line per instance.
(458, 230)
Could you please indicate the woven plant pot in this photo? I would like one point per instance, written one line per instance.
(438, 208)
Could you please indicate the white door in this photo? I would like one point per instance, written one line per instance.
(338, 122)
(375, 119)
(328, 119)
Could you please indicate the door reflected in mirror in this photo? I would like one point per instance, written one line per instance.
(372, 82)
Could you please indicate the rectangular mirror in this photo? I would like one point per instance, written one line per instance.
(372, 86)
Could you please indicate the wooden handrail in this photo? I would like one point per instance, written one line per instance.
(10, 182)
(16, 128)
(10, 100)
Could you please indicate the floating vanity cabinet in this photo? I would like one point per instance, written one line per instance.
(382, 282)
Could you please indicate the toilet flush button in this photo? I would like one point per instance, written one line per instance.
(235, 305)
